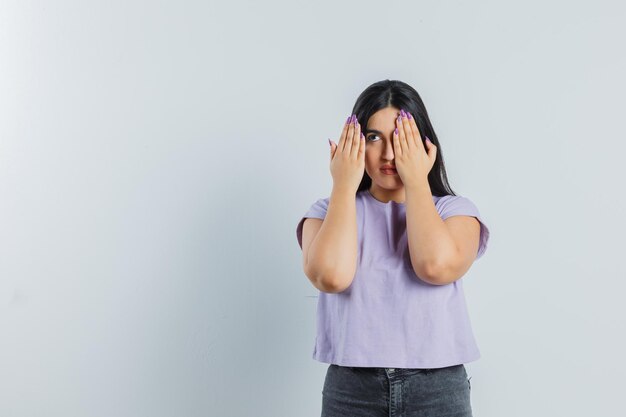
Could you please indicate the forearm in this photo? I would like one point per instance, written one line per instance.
(429, 240)
(333, 252)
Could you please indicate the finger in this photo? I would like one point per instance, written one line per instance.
(356, 144)
(361, 154)
(408, 132)
(432, 149)
(397, 149)
(344, 133)
(401, 134)
(416, 133)
(347, 145)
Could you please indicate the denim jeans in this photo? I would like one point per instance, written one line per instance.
(358, 391)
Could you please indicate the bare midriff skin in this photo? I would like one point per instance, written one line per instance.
(331, 258)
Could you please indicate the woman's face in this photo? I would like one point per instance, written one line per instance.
(379, 148)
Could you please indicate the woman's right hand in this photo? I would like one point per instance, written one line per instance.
(347, 158)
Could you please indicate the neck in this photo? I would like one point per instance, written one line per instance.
(385, 195)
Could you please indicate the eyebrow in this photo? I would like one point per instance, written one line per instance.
(373, 131)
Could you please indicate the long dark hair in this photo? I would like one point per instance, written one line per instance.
(397, 94)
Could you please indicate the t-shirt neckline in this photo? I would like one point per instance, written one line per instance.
(389, 203)
(382, 203)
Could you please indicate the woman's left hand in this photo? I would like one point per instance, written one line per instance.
(412, 161)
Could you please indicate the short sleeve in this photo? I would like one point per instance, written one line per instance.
(456, 205)
(316, 211)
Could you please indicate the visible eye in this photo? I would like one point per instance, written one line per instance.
(369, 138)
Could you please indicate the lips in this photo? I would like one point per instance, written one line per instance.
(389, 171)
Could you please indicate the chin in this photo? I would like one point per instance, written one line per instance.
(387, 183)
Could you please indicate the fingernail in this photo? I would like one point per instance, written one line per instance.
(409, 116)
(330, 143)
(396, 130)
(402, 113)
(427, 138)
(348, 119)
(353, 118)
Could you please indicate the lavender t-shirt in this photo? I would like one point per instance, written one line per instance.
(388, 317)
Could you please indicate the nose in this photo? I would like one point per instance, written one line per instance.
(388, 151)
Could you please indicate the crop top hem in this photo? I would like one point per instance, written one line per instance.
(413, 365)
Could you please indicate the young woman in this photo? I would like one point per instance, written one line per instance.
(387, 250)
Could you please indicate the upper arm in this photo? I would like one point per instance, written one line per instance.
(310, 227)
(465, 231)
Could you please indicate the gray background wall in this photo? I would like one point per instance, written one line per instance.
(155, 158)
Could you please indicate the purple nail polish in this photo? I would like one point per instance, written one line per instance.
(329, 142)
(348, 119)
(402, 113)
(396, 130)
(409, 116)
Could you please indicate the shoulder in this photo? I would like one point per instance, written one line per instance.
(317, 210)
(457, 205)
(320, 206)
(454, 205)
